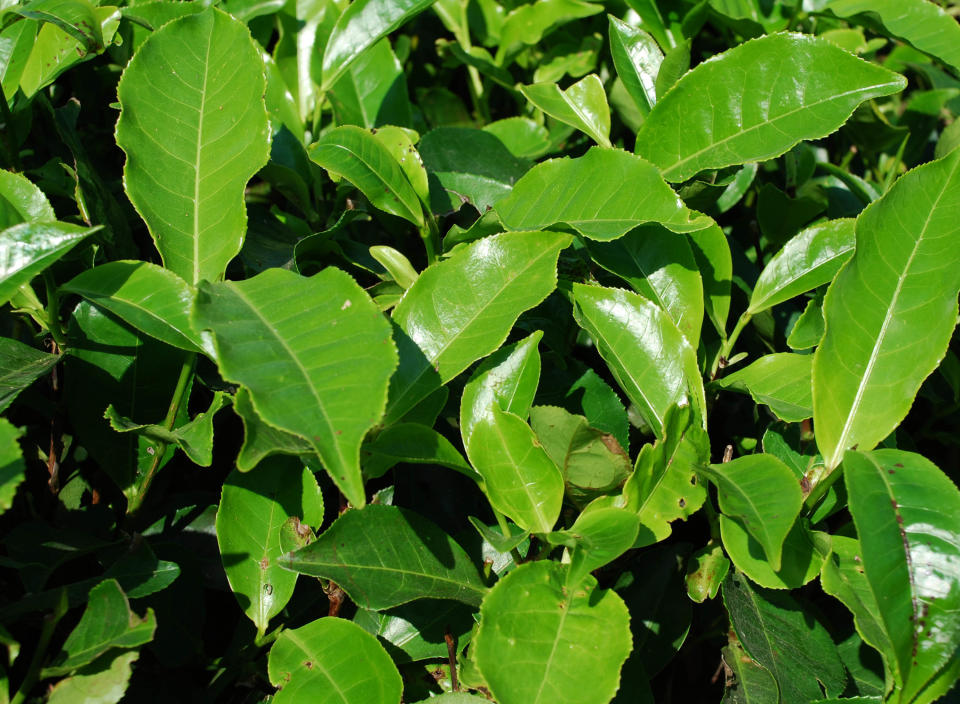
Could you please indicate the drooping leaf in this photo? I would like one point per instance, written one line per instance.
(332, 661)
(540, 641)
(260, 439)
(712, 254)
(20, 366)
(637, 59)
(804, 553)
(462, 308)
(713, 117)
(586, 193)
(890, 312)
(384, 556)
(399, 142)
(20, 200)
(648, 356)
(781, 381)
(501, 542)
(411, 443)
(194, 128)
(28, 248)
(11, 463)
(583, 105)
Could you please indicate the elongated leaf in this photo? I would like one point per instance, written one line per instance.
(384, 556)
(583, 105)
(890, 312)
(462, 308)
(75, 17)
(305, 28)
(906, 513)
(637, 59)
(332, 661)
(922, 24)
(194, 128)
(28, 248)
(148, 297)
(326, 381)
(785, 639)
(540, 641)
(21, 201)
(714, 118)
(781, 381)
(808, 260)
(11, 463)
(804, 553)
(254, 507)
(519, 478)
(751, 682)
(373, 90)
(587, 194)
(16, 45)
(359, 157)
(20, 366)
(360, 26)
(648, 356)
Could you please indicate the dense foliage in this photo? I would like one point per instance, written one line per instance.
(466, 350)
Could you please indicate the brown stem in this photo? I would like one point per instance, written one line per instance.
(336, 597)
(452, 657)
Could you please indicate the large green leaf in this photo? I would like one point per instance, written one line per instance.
(305, 27)
(757, 100)
(21, 201)
(75, 17)
(808, 260)
(332, 661)
(804, 553)
(583, 105)
(463, 308)
(28, 248)
(890, 312)
(411, 443)
(750, 683)
(384, 556)
(637, 59)
(647, 354)
(587, 194)
(11, 463)
(906, 513)
(541, 641)
(20, 366)
(780, 380)
(360, 26)
(254, 507)
(194, 128)
(146, 296)
(788, 641)
(921, 23)
(356, 155)
(314, 353)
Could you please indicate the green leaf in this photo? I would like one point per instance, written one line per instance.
(362, 159)
(372, 91)
(360, 26)
(787, 640)
(781, 381)
(384, 556)
(462, 308)
(417, 630)
(648, 356)
(714, 118)
(810, 259)
(586, 194)
(751, 683)
(762, 495)
(528, 24)
(519, 478)
(905, 510)
(596, 539)
(332, 661)
(306, 380)
(152, 299)
(540, 641)
(522, 136)
(261, 439)
(399, 142)
(194, 131)
(305, 28)
(20, 366)
(583, 106)
(712, 254)
(469, 166)
(922, 24)
(706, 570)
(637, 59)
(659, 265)
(807, 332)
(498, 541)
(16, 44)
(75, 17)
(30, 247)
(412, 443)
(890, 312)
(804, 553)
(254, 506)
(20, 200)
(98, 683)
(601, 406)
(107, 623)
(11, 463)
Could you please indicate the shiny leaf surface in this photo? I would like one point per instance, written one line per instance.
(781, 381)
(28, 248)
(583, 106)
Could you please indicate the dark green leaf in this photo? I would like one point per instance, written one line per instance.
(11, 463)
(20, 366)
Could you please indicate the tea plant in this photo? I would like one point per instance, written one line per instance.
(479, 350)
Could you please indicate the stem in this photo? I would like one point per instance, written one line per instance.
(505, 529)
(53, 311)
(430, 234)
(186, 373)
(821, 488)
(50, 622)
(727, 347)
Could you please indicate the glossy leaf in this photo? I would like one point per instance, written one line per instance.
(751, 682)
(648, 356)
(890, 312)
(596, 539)
(306, 27)
(21, 201)
(332, 661)
(601, 406)
(16, 45)
(20, 366)
(462, 308)
(637, 59)
(804, 553)
(583, 106)
(808, 331)
(359, 157)
(712, 254)
(417, 630)
(75, 17)
(11, 463)
(384, 556)
(905, 510)
(808, 260)
(714, 118)
(527, 24)
(706, 570)
(411, 443)
(372, 91)
(781, 381)
(307, 381)
(254, 507)
(586, 194)
(522, 136)
(28, 248)
(194, 129)
(540, 641)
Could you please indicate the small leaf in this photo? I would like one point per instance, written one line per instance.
(706, 570)
(804, 553)
(412, 443)
(637, 59)
(499, 542)
(29, 248)
(781, 381)
(807, 332)
(98, 683)
(596, 538)
(11, 463)
(583, 105)
(384, 556)
(372, 91)
(20, 366)
(751, 682)
(20, 200)
(522, 136)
